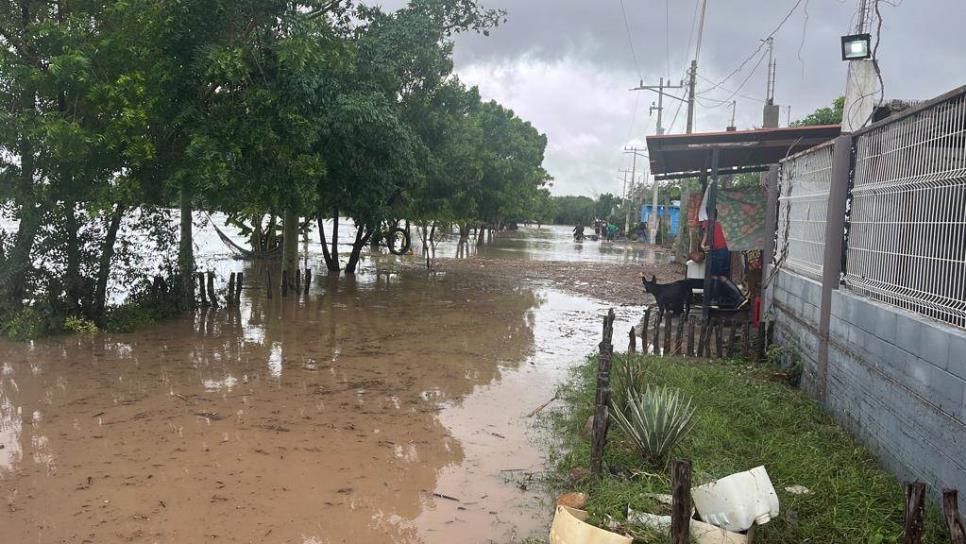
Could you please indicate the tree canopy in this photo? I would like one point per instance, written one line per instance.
(117, 115)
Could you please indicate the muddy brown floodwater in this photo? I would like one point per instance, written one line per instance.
(390, 408)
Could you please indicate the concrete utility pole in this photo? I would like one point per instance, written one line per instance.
(629, 190)
(770, 112)
(693, 72)
(862, 84)
(659, 89)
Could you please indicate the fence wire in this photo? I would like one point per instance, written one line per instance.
(804, 185)
(907, 226)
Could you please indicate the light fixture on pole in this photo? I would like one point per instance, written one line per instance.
(856, 47)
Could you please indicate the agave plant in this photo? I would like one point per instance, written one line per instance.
(655, 420)
(627, 374)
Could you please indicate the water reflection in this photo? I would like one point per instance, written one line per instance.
(320, 413)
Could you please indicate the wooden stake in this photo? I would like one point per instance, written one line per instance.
(656, 342)
(308, 279)
(718, 325)
(681, 502)
(761, 340)
(746, 341)
(646, 323)
(703, 337)
(238, 287)
(915, 504)
(679, 337)
(268, 290)
(632, 342)
(667, 334)
(211, 289)
(201, 288)
(298, 280)
(602, 400)
(957, 535)
(733, 339)
(230, 297)
(284, 283)
(691, 347)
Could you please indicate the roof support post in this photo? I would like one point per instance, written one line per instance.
(709, 232)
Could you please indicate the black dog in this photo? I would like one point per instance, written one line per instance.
(671, 297)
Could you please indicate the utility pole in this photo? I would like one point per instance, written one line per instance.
(693, 72)
(734, 106)
(628, 191)
(862, 83)
(770, 112)
(659, 89)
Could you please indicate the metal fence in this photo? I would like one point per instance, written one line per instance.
(804, 184)
(907, 224)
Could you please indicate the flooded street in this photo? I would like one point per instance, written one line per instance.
(389, 408)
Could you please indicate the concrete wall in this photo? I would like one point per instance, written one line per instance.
(795, 302)
(896, 380)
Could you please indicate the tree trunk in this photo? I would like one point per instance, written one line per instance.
(107, 255)
(186, 254)
(335, 238)
(18, 260)
(73, 283)
(290, 243)
(362, 238)
(256, 239)
(480, 234)
(331, 264)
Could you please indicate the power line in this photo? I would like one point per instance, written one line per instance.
(630, 40)
(667, 37)
(761, 44)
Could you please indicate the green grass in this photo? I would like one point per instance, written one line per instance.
(743, 419)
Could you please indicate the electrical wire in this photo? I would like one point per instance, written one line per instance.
(630, 40)
(761, 45)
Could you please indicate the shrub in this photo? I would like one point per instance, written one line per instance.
(25, 324)
(655, 421)
(80, 325)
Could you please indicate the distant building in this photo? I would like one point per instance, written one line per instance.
(662, 211)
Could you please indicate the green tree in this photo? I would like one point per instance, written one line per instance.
(824, 116)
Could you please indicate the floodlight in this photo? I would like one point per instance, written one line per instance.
(856, 47)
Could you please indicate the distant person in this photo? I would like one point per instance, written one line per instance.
(718, 256)
(611, 232)
(579, 232)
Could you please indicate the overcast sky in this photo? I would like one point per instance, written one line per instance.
(566, 66)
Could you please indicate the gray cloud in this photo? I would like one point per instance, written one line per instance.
(566, 66)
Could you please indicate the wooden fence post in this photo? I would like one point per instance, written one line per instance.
(602, 400)
(703, 337)
(718, 333)
(681, 502)
(268, 290)
(238, 286)
(746, 341)
(656, 342)
(691, 349)
(957, 535)
(285, 283)
(667, 334)
(308, 279)
(230, 298)
(211, 289)
(646, 323)
(762, 332)
(632, 342)
(298, 280)
(201, 288)
(733, 339)
(915, 504)
(679, 338)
